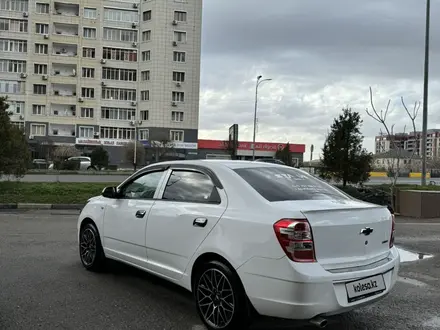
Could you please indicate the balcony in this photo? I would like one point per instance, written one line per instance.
(62, 110)
(66, 9)
(63, 72)
(62, 130)
(65, 50)
(65, 30)
(63, 90)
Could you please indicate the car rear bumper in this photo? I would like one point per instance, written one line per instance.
(279, 288)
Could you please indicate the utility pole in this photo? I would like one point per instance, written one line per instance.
(425, 92)
(255, 112)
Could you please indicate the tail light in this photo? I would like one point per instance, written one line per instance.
(393, 229)
(296, 239)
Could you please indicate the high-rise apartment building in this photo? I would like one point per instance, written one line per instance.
(95, 72)
(411, 142)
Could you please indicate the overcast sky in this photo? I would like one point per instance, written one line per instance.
(322, 56)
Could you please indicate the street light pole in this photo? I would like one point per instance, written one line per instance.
(136, 123)
(425, 92)
(255, 112)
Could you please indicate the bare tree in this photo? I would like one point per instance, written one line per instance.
(160, 146)
(140, 153)
(394, 163)
(62, 152)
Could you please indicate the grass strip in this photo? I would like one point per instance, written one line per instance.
(50, 192)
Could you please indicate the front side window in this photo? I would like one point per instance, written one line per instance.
(189, 186)
(143, 187)
(283, 183)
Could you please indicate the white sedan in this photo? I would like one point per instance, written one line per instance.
(245, 238)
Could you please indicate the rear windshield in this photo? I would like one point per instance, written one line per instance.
(285, 184)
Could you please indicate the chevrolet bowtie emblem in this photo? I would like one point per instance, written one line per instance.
(366, 231)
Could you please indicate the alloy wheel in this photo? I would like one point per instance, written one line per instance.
(215, 298)
(88, 246)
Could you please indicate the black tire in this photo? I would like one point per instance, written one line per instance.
(235, 317)
(90, 241)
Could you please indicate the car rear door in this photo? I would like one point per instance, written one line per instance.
(182, 217)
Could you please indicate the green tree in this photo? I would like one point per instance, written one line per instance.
(14, 151)
(99, 158)
(343, 157)
(284, 155)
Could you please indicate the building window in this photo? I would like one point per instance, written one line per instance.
(146, 35)
(18, 124)
(180, 16)
(17, 107)
(14, 5)
(89, 33)
(119, 54)
(13, 46)
(38, 129)
(144, 114)
(145, 75)
(88, 93)
(42, 8)
(113, 34)
(11, 87)
(40, 68)
(90, 13)
(88, 72)
(40, 89)
(41, 28)
(13, 25)
(178, 76)
(144, 134)
(146, 15)
(119, 74)
(38, 109)
(122, 94)
(119, 15)
(86, 113)
(179, 36)
(146, 55)
(117, 133)
(88, 52)
(176, 115)
(12, 66)
(118, 113)
(178, 97)
(41, 49)
(86, 131)
(179, 57)
(176, 135)
(145, 95)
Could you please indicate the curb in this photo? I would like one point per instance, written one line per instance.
(37, 206)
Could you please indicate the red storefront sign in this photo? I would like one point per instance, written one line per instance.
(259, 146)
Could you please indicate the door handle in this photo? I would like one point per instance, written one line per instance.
(140, 213)
(200, 222)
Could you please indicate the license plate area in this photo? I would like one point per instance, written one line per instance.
(364, 288)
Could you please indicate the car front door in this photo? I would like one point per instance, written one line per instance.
(180, 220)
(126, 217)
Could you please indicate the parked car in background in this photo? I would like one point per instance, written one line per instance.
(270, 160)
(40, 164)
(85, 163)
(245, 238)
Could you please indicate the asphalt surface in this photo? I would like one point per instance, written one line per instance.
(120, 178)
(44, 286)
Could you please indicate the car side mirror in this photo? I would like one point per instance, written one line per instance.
(109, 192)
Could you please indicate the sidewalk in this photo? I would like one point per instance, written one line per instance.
(401, 219)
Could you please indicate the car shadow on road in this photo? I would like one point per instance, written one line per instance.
(179, 298)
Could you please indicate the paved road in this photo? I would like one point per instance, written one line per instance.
(119, 178)
(43, 285)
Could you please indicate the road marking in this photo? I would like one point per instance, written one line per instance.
(433, 323)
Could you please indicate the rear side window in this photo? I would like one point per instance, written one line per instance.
(189, 186)
(286, 184)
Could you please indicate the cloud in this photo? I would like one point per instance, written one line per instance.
(322, 56)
